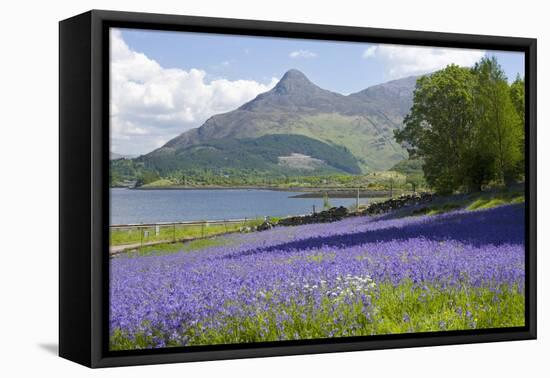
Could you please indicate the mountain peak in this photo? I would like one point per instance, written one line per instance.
(294, 74)
(293, 81)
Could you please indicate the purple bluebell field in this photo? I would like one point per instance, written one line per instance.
(357, 277)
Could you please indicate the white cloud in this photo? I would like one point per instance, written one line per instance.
(302, 54)
(371, 51)
(400, 61)
(151, 104)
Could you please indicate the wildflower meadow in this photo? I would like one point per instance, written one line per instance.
(361, 276)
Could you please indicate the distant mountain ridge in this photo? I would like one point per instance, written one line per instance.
(361, 124)
(115, 155)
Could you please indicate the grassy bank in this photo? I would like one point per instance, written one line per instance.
(168, 248)
(470, 202)
(134, 235)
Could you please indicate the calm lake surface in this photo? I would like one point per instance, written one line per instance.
(151, 206)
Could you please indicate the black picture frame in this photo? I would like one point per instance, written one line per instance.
(84, 193)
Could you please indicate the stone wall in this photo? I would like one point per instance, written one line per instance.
(397, 203)
(330, 215)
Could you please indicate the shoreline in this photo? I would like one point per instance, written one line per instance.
(332, 192)
(254, 187)
(347, 194)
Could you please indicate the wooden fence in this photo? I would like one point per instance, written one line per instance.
(132, 236)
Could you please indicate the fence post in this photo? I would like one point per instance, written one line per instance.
(174, 232)
(202, 229)
(357, 202)
(141, 238)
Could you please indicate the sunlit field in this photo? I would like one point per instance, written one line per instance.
(357, 277)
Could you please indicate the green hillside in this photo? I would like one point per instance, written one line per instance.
(282, 153)
(366, 137)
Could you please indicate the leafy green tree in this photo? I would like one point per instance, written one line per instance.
(147, 177)
(480, 167)
(439, 127)
(114, 178)
(467, 127)
(517, 91)
(500, 127)
(414, 180)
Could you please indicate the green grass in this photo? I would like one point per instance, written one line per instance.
(393, 310)
(499, 199)
(159, 183)
(437, 209)
(319, 257)
(475, 201)
(168, 248)
(485, 204)
(171, 233)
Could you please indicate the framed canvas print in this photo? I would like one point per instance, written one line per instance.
(234, 188)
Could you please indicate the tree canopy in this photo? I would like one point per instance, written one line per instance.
(466, 124)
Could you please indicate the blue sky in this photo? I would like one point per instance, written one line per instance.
(337, 66)
(165, 83)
